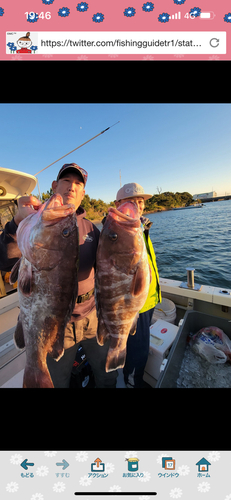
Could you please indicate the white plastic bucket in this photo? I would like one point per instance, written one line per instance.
(165, 310)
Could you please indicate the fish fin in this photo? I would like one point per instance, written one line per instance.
(139, 282)
(102, 334)
(37, 378)
(57, 352)
(57, 349)
(134, 325)
(115, 359)
(25, 278)
(14, 272)
(18, 335)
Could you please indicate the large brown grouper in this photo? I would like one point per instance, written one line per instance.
(47, 285)
(122, 280)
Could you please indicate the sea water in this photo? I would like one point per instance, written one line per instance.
(199, 238)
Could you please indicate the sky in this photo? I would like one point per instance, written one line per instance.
(173, 147)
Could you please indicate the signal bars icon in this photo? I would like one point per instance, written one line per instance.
(175, 16)
(203, 15)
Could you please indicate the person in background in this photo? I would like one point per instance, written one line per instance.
(138, 344)
(9, 251)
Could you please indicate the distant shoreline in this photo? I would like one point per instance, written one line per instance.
(163, 209)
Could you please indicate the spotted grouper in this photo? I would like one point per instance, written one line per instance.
(47, 285)
(122, 280)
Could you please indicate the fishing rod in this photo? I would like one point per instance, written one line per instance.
(89, 140)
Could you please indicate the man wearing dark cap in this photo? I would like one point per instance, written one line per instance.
(70, 183)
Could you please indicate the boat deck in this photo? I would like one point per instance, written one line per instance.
(210, 300)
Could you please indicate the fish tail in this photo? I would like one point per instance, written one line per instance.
(37, 378)
(115, 359)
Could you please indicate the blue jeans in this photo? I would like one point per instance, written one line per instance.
(138, 349)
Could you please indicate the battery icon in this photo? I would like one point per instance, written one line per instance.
(207, 15)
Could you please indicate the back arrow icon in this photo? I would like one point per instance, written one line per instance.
(64, 463)
(25, 464)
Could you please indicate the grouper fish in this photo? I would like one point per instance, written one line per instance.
(122, 280)
(47, 285)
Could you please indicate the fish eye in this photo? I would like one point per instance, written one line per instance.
(65, 232)
(113, 236)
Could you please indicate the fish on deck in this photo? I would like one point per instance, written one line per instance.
(122, 280)
(47, 285)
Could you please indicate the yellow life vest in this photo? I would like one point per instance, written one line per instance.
(154, 294)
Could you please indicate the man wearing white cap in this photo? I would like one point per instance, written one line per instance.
(138, 344)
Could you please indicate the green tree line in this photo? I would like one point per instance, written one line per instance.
(168, 200)
(96, 209)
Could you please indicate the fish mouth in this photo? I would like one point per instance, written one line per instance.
(55, 210)
(124, 218)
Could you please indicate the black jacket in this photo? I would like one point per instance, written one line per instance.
(9, 251)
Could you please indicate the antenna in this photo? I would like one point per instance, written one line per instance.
(77, 148)
(120, 179)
